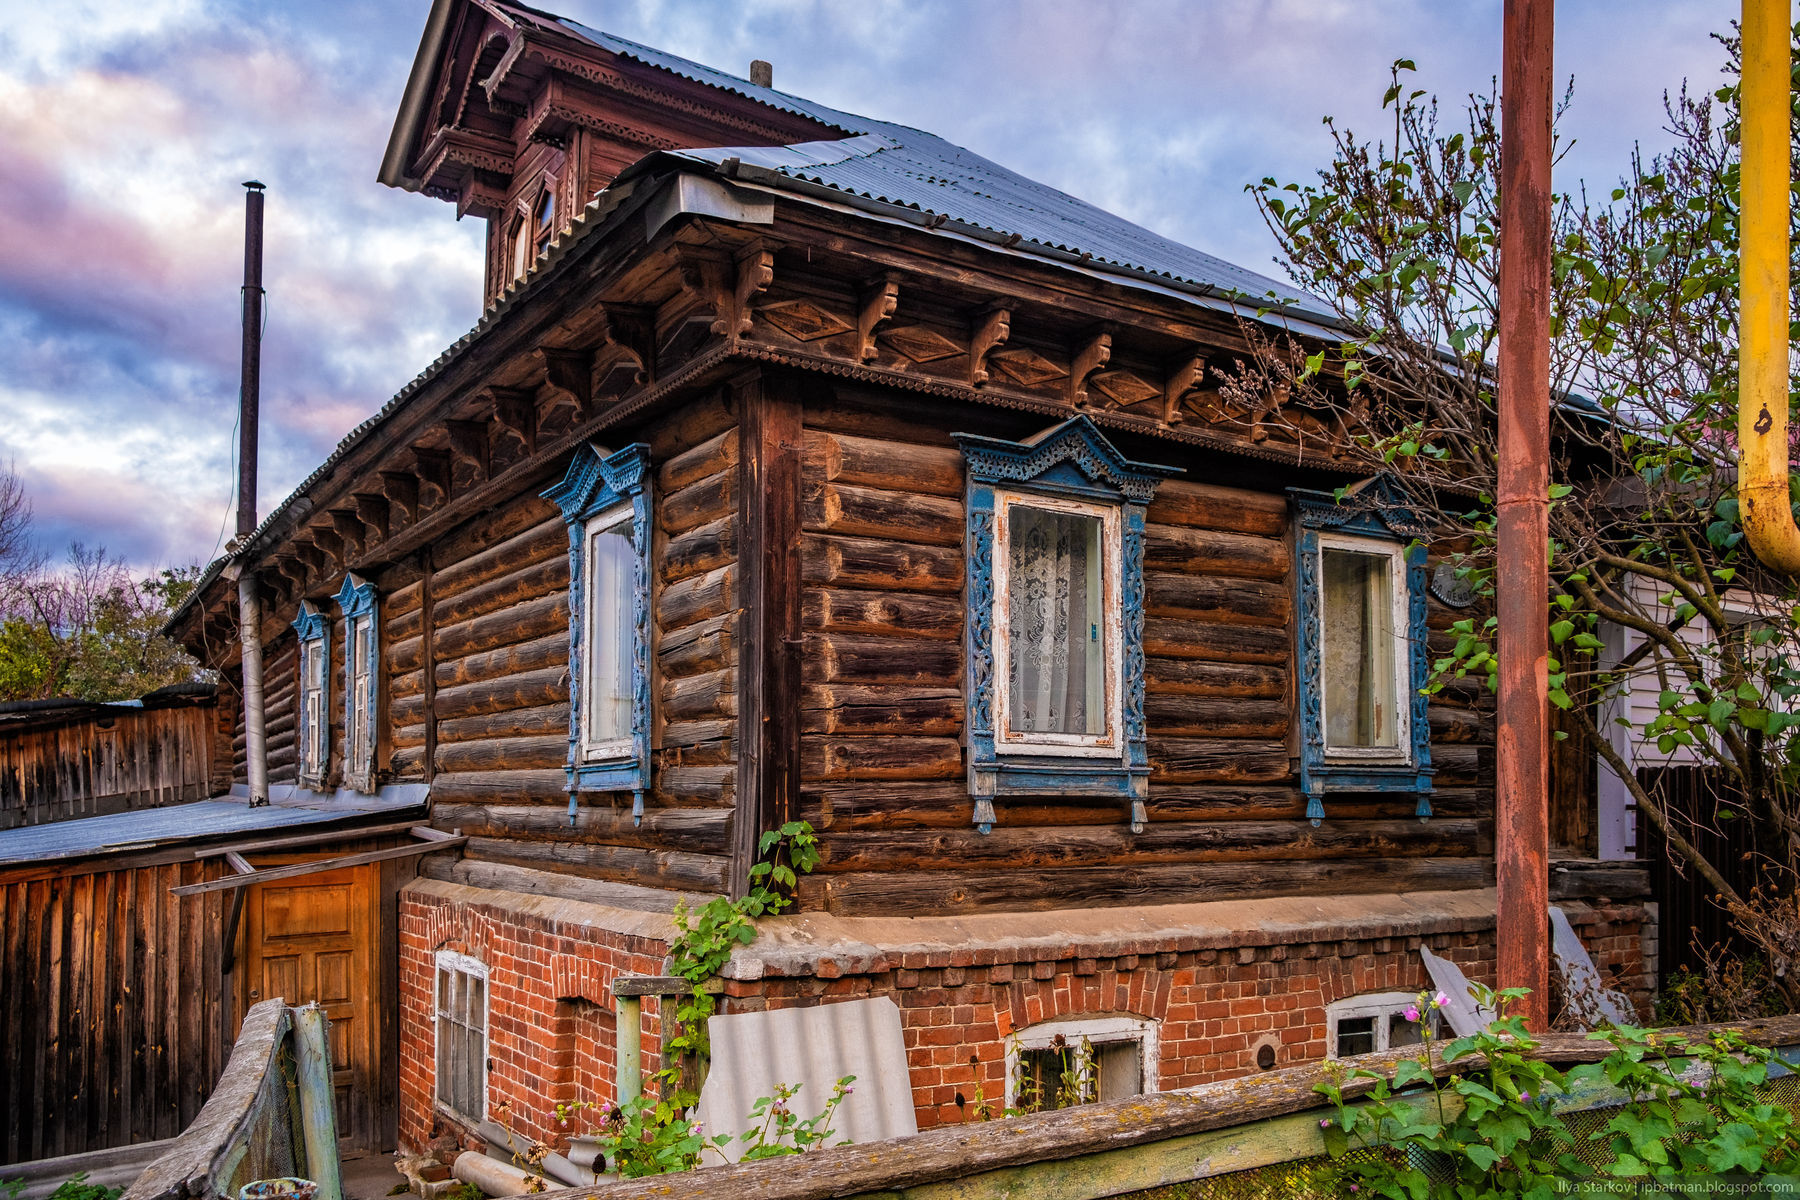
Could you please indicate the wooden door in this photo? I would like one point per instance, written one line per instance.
(312, 939)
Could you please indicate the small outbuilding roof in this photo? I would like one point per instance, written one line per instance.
(146, 829)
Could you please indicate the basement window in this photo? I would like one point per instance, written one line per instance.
(461, 1002)
(1368, 1024)
(605, 498)
(1060, 1064)
(1362, 652)
(362, 665)
(1055, 615)
(314, 732)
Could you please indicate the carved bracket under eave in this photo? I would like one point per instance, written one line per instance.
(755, 272)
(1093, 353)
(992, 326)
(330, 545)
(350, 528)
(1183, 378)
(878, 303)
(433, 475)
(628, 348)
(516, 416)
(402, 492)
(569, 374)
(469, 443)
(373, 510)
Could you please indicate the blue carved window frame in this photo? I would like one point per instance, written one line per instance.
(597, 483)
(1072, 461)
(357, 602)
(1378, 512)
(312, 737)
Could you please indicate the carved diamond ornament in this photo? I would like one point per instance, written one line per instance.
(1026, 367)
(920, 344)
(803, 320)
(1125, 389)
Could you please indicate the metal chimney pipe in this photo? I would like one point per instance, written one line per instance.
(256, 751)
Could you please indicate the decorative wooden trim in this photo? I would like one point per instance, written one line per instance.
(311, 626)
(878, 303)
(357, 599)
(402, 491)
(1093, 354)
(1184, 377)
(1379, 509)
(755, 272)
(372, 510)
(993, 326)
(569, 374)
(595, 482)
(433, 467)
(1072, 460)
(469, 443)
(515, 412)
(629, 330)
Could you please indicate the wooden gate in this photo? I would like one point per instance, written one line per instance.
(314, 939)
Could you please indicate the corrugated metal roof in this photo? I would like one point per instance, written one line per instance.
(146, 828)
(907, 167)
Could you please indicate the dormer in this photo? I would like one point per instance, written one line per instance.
(520, 118)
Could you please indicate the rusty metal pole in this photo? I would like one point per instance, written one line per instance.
(1522, 833)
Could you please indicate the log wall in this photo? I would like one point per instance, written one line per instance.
(883, 759)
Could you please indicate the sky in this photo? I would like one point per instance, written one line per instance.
(127, 126)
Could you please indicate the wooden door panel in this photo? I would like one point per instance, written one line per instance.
(312, 940)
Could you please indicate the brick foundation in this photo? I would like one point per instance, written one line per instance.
(1220, 980)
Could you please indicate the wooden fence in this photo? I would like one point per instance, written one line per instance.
(113, 1019)
(65, 759)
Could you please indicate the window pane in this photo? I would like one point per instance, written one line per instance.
(606, 696)
(1355, 1035)
(1359, 645)
(1402, 1032)
(1118, 1070)
(1057, 672)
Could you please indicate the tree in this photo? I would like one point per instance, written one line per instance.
(87, 629)
(1401, 235)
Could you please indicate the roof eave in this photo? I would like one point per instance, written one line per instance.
(414, 100)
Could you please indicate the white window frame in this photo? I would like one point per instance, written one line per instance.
(359, 694)
(1096, 1031)
(1006, 741)
(1370, 1004)
(464, 964)
(620, 747)
(314, 710)
(1398, 598)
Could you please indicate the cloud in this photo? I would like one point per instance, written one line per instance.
(127, 125)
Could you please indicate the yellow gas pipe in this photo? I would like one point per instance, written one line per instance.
(1766, 111)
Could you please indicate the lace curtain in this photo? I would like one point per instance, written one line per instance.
(611, 571)
(1056, 674)
(1360, 644)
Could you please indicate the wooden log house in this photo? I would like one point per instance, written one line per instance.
(808, 466)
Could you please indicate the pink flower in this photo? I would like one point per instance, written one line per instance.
(1324, 1122)
(1440, 1001)
(1411, 1013)
(1524, 1097)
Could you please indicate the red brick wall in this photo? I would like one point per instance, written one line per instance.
(1214, 1006)
(550, 1019)
(551, 1024)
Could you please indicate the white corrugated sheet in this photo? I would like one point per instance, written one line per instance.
(815, 1047)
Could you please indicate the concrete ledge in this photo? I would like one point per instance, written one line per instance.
(798, 945)
(652, 926)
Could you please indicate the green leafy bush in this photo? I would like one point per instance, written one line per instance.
(1691, 1109)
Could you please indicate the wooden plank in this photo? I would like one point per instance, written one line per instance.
(265, 874)
(429, 660)
(237, 849)
(768, 741)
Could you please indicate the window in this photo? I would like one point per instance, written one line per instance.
(1366, 1024)
(462, 1018)
(1056, 580)
(544, 221)
(314, 733)
(605, 498)
(1055, 618)
(520, 241)
(1362, 653)
(356, 600)
(1059, 1064)
(610, 563)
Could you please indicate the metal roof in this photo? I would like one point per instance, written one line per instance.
(146, 828)
(905, 167)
